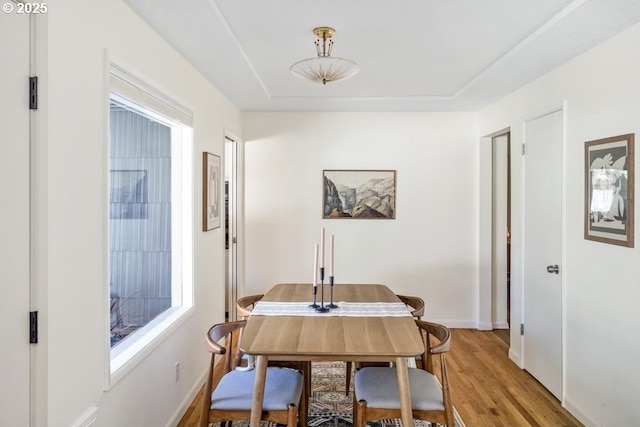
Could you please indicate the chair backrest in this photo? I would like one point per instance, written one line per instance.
(244, 307)
(443, 335)
(245, 304)
(416, 303)
(224, 332)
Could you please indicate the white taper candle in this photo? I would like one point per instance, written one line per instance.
(322, 248)
(315, 266)
(331, 256)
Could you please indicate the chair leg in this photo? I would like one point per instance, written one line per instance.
(307, 378)
(360, 416)
(204, 419)
(303, 408)
(292, 416)
(348, 379)
(354, 410)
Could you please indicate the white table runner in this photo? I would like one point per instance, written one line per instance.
(353, 309)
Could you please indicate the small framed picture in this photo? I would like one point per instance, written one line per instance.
(358, 194)
(129, 194)
(609, 188)
(211, 171)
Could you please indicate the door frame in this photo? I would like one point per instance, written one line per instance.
(562, 106)
(500, 226)
(486, 231)
(17, 218)
(38, 139)
(234, 272)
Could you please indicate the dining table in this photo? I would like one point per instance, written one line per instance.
(370, 323)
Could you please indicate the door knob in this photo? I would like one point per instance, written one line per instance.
(553, 269)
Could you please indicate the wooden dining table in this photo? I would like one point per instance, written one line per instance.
(362, 329)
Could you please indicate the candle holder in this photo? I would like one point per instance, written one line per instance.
(331, 304)
(315, 292)
(322, 308)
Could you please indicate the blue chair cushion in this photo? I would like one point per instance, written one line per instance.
(379, 387)
(235, 390)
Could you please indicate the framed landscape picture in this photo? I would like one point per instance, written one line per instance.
(609, 189)
(358, 194)
(210, 191)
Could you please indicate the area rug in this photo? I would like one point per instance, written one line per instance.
(330, 406)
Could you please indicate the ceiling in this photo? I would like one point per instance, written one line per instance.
(414, 55)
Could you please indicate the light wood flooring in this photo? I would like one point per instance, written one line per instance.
(488, 389)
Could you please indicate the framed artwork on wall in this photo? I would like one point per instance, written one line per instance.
(128, 195)
(358, 194)
(210, 191)
(609, 190)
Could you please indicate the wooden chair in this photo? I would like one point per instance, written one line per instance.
(244, 307)
(231, 398)
(416, 303)
(245, 304)
(376, 394)
(417, 306)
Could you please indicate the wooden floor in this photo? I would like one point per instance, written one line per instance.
(488, 389)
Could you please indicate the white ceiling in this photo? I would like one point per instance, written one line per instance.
(414, 55)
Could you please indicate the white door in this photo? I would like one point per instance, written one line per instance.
(543, 250)
(14, 219)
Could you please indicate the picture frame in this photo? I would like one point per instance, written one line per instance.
(609, 190)
(211, 178)
(129, 194)
(358, 194)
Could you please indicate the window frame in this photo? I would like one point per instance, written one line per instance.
(127, 88)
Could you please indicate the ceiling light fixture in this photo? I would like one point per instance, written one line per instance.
(324, 68)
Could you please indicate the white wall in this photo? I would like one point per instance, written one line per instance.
(70, 217)
(602, 320)
(429, 250)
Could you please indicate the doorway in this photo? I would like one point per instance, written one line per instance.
(15, 227)
(501, 226)
(232, 187)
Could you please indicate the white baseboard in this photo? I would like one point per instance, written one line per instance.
(88, 419)
(184, 405)
(485, 326)
(469, 324)
(455, 323)
(581, 416)
(515, 357)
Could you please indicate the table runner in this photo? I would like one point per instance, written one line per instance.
(353, 309)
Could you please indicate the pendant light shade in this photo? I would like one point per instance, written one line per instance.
(324, 68)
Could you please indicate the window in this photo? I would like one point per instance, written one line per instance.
(150, 215)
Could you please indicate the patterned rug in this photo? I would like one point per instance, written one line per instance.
(331, 407)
